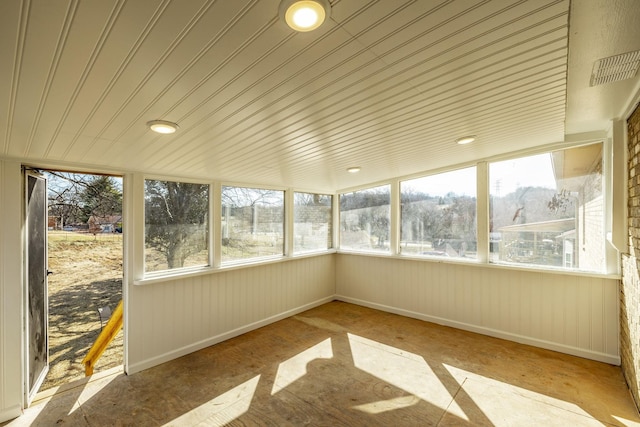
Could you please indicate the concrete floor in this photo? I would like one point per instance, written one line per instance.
(345, 365)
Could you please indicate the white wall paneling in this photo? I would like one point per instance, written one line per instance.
(173, 318)
(11, 384)
(574, 314)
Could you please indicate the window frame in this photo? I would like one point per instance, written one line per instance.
(612, 211)
(608, 267)
(134, 211)
(393, 215)
(330, 240)
(400, 220)
(171, 273)
(285, 229)
(134, 221)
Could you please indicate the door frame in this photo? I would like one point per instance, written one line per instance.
(38, 171)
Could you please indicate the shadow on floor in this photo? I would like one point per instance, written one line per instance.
(345, 365)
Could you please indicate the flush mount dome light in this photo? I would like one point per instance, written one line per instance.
(466, 139)
(353, 169)
(304, 15)
(162, 126)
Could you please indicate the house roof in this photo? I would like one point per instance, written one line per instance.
(572, 167)
(387, 86)
(552, 226)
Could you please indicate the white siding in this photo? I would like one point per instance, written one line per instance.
(169, 319)
(591, 253)
(574, 314)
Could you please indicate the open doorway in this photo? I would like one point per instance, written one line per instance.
(85, 258)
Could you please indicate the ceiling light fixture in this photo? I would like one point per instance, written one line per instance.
(466, 139)
(353, 169)
(162, 126)
(304, 15)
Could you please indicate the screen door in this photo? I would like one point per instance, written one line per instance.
(36, 310)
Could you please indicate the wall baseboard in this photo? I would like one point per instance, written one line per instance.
(10, 413)
(149, 363)
(612, 359)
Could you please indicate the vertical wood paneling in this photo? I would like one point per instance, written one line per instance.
(432, 277)
(584, 318)
(500, 294)
(485, 300)
(535, 319)
(524, 308)
(554, 300)
(188, 326)
(11, 289)
(3, 202)
(576, 314)
(597, 316)
(197, 306)
(612, 309)
(465, 300)
(162, 300)
(172, 318)
(418, 299)
(4, 384)
(239, 302)
(218, 294)
(570, 312)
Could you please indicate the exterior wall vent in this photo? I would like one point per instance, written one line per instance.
(615, 68)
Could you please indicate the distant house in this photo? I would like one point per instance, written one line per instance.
(563, 242)
(105, 224)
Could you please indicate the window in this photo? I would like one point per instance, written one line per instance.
(365, 219)
(252, 223)
(312, 222)
(438, 215)
(176, 218)
(548, 210)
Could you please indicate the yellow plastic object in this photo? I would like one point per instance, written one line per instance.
(107, 335)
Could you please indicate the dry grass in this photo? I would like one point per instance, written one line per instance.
(87, 275)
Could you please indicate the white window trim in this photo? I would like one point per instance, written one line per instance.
(143, 274)
(133, 212)
(394, 226)
(613, 210)
(291, 224)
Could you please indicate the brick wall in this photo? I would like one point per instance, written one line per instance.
(630, 290)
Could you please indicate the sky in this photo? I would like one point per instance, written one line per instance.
(533, 171)
(504, 177)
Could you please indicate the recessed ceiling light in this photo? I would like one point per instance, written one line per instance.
(353, 169)
(304, 15)
(162, 126)
(466, 139)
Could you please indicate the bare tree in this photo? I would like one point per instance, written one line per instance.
(176, 217)
(74, 197)
(243, 203)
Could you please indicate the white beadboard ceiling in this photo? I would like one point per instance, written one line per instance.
(385, 85)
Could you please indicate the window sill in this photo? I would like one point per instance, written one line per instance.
(236, 265)
(552, 270)
(173, 275)
(474, 262)
(200, 271)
